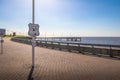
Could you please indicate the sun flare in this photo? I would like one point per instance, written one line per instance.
(44, 3)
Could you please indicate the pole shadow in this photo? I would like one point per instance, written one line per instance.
(30, 76)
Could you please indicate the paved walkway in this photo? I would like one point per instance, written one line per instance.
(15, 64)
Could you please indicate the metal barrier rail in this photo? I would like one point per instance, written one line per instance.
(76, 39)
(84, 48)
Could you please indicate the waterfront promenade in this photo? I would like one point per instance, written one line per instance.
(15, 64)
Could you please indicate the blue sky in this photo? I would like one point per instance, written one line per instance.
(63, 17)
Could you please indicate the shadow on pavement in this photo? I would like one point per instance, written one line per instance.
(30, 77)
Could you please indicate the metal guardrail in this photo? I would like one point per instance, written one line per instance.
(84, 48)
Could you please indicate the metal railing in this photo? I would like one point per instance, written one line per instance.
(84, 48)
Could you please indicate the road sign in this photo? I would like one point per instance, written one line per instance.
(2, 32)
(33, 42)
(33, 30)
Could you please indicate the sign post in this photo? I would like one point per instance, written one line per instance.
(2, 33)
(1, 41)
(33, 32)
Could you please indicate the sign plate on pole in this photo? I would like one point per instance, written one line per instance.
(33, 30)
(2, 32)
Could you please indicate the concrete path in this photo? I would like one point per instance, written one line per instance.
(15, 64)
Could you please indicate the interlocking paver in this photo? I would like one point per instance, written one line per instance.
(15, 64)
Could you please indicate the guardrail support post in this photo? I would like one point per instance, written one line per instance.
(79, 48)
(68, 47)
(110, 51)
(93, 51)
(59, 46)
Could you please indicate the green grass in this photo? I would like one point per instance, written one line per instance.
(17, 36)
(20, 36)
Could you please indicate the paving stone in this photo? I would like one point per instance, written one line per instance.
(15, 64)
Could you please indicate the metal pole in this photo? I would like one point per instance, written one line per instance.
(33, 11)
(33, 51)
(1, 46)
(33, 38)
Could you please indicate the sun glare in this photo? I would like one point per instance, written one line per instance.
(46, 3)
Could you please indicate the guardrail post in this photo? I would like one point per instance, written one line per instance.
(52, 45)
(93, 52)
(79, 48)
(59, 45)
(41, 43)
(68, 47)
(45, 43)
(110, 51)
